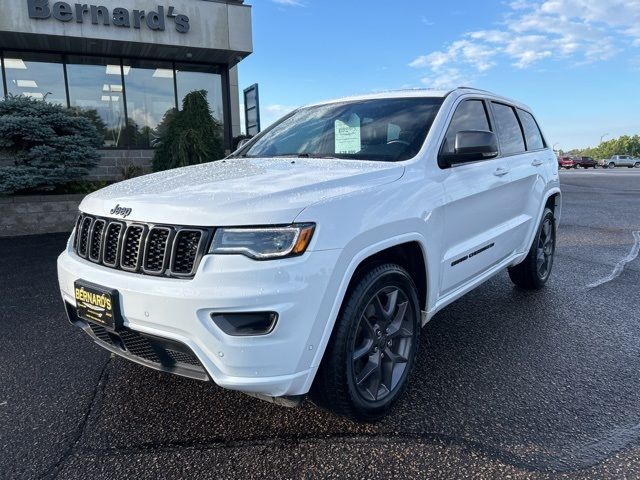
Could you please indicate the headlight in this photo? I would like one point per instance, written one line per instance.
(263, 243)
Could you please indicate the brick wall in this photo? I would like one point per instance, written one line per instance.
(35, 214)
(112, 162)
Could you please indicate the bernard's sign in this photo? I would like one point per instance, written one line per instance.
(119, 17)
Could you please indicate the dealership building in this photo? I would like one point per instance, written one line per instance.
(128, 62)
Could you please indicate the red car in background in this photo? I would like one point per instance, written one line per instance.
(586, 162)
(577, 162)
(567, 162)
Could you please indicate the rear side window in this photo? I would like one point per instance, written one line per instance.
(509, 132)
(531, 131)
(470, 115)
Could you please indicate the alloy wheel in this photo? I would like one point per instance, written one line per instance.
(546, 246)
(383, 343)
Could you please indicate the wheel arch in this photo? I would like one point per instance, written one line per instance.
(409, 255)
(554, 203)
(389, 250)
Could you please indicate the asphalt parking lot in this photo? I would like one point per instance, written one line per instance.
(508, 383)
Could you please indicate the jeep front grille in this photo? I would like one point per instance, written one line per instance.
(132, 247)
(185, 251)
(160, 250)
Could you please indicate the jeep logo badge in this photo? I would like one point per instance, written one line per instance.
(120, 211)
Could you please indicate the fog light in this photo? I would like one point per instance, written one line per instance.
(245, 324)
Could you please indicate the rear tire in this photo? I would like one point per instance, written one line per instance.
(373, 348)
(535, 270)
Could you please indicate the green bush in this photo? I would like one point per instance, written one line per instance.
(47, 145)
(82, 187)
(189, 136)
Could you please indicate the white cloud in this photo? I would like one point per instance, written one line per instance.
(290, 3)
(463, 51)
(577, 31)
(446, 78)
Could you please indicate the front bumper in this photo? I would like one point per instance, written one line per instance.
(277, 364)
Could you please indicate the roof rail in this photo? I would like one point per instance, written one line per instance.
(471, 88)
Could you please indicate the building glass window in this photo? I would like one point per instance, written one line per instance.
(191, 78)
(95, 88)
(35, 75)
(150, 95)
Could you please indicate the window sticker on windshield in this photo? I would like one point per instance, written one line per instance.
(348, 139)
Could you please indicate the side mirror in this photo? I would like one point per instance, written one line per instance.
(473, 145)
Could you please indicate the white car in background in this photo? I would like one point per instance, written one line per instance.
(622, 161)
(310, 259)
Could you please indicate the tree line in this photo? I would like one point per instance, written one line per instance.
(625, 145)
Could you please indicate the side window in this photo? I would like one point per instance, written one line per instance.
(470, 115)
(531, 131)
(509, 132)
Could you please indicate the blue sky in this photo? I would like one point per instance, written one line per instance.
(575, 62)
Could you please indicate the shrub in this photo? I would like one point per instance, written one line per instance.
(47, 144)
(189, 136)
(128, 172)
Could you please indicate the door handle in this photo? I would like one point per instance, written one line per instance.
(501, 172)
(537, 162)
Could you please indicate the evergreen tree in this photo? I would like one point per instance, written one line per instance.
(46, 144)
(189, 136)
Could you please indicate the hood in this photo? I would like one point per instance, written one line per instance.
(237, 191)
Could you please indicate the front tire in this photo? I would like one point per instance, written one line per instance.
(373, 348)
(535, 270)
(612, 165)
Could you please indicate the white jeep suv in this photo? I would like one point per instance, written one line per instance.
(309, 260)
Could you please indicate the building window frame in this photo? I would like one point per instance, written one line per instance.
(5, 91)
(224, 74)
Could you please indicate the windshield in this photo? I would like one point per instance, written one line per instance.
(387, 130)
